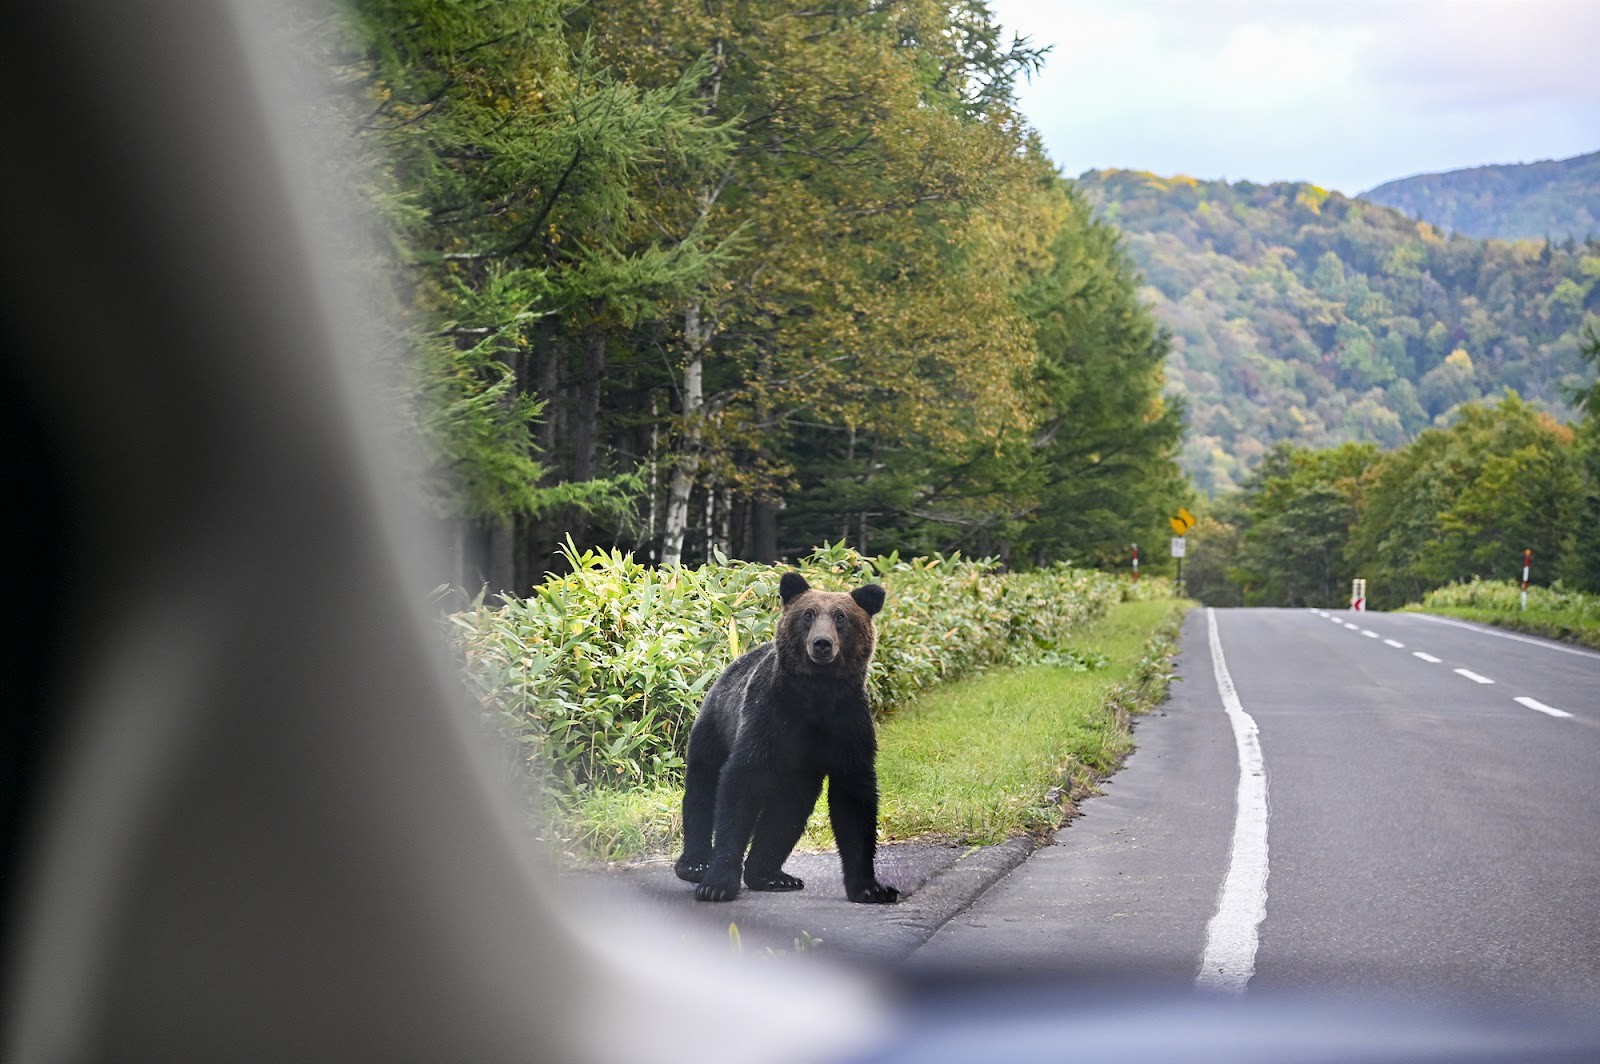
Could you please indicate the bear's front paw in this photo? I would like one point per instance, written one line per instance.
(715, 892)
(873, 894)
(690, 871)
(774, 881)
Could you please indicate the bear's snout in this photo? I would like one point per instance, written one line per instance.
(822, 650)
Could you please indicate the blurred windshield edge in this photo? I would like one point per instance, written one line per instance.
(255, 822)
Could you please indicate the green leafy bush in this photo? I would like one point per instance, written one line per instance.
(1552, 611)
(596, 677)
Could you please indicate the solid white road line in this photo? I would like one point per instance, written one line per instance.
(1429, 658)
(1534, 703)
(1481, 630)
(1233, 933)
(1394, 643)
(1473, 676)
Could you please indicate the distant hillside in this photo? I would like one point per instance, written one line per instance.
(1299, 314)
(1525, 201)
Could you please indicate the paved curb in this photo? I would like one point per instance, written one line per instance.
(950, 892)
(938, 881)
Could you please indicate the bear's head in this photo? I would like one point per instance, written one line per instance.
(827, 630)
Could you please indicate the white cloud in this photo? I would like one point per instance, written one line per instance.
(1347, 95)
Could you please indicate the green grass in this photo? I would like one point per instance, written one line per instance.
(1003, 753)
(1007, 752)
(1552, 611)
(613, 825)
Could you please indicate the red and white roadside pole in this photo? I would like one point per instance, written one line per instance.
(1358, 595)
(1527, 563)
(1136, 563)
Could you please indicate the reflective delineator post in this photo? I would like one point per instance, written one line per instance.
(1527, 562)
(1358, 594)
(1136, 563)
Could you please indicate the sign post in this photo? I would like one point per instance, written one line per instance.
(1136, 563)
(1181, 523)
(1527, 562)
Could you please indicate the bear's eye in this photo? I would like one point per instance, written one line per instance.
(811, 615)
(838, 616)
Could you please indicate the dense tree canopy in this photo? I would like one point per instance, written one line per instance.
(747, 276)
(1457, 502)
(1306, 317)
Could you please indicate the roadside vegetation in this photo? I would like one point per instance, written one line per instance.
(1460, 503)
(692, 280)
(593, 681)
(1552, 611)
(1010, 752)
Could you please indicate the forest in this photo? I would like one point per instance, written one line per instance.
(1458, 503)
(731, 281)
(1556, 198)
(1302, 316)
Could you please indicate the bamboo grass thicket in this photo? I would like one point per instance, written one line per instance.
(594, 679)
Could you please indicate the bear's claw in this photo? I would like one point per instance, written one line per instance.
(712, 892)
(876, 894)
(775, 881)
(690, 871)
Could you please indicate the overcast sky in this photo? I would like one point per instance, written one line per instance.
(1344, 93)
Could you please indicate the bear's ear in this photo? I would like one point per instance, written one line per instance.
(869, 598)
(791, 585)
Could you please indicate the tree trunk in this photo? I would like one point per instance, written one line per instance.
(764, 518)
(725, 522)
(652, 478)
(586, 433)
(709, 516)
(547, 356)
(696, 335)
(501, 573)
(458, 546)
(688, 463)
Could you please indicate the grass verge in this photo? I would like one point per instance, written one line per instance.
(1011, 752)
(1007, 752)
(1552, 611)
(1535, 622)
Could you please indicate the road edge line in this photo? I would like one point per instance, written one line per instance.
(1498, 633)
(1233, 934)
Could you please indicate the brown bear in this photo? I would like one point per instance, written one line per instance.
(781, 718)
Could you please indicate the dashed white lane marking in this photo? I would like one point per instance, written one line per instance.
(1546, 643)
(1395, 643)
(1429, 658)
(1473, 676)
(1233, 934)
(1369, 633)
(1350, 626)
(1534, 703)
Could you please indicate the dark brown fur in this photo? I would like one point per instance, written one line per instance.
(777, 722)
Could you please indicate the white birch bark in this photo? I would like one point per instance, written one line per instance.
(676, 522)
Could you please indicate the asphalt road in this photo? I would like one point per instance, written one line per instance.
(1427, 835)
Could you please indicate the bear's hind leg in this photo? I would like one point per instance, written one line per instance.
(853, 807)
(782, 823)
(699, 806)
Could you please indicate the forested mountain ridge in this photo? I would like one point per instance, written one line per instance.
(1555, 198)
(1304, 316)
